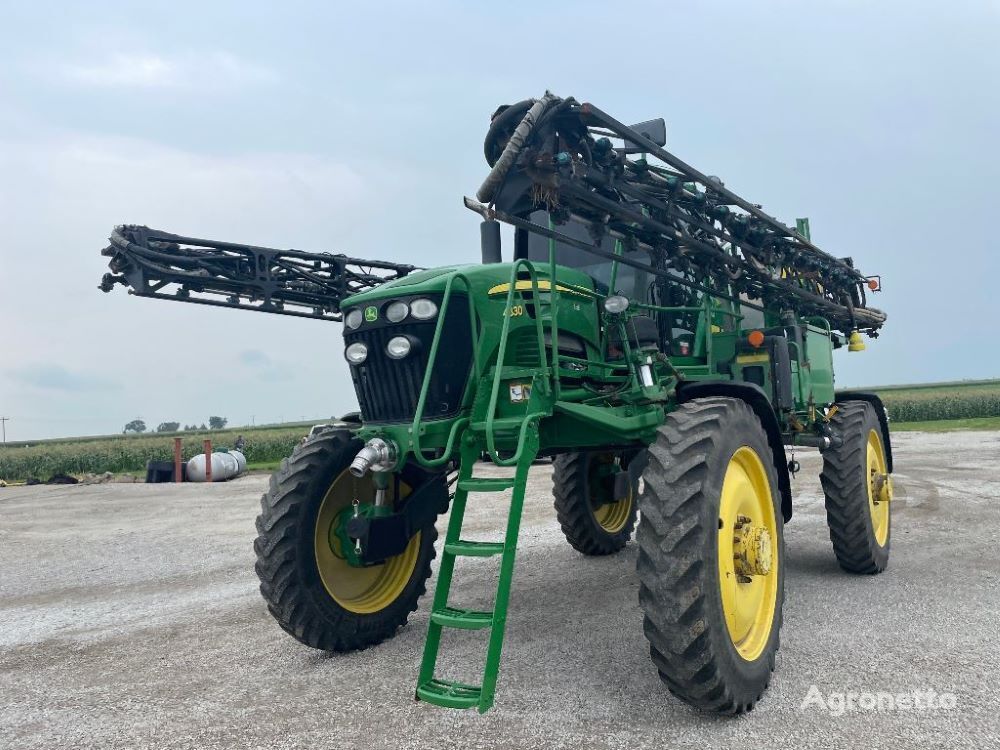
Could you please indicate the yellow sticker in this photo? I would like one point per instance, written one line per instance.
(749, 359)
(544, 285)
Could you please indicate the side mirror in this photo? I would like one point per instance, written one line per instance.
(654, 130)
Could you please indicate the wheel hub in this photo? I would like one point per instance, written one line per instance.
(751, 549)
(881, 487)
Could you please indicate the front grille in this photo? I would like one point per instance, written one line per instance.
(388, 389)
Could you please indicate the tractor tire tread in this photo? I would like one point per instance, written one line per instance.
(672, 528)
(846, 493)
(572, 504)
(296, 606)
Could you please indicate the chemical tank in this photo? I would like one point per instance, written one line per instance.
(225, 465)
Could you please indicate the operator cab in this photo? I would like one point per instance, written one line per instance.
(634, 283)
(677, 330)
(629, 282)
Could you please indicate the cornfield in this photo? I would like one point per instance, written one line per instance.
(942, 401)
(130, 453)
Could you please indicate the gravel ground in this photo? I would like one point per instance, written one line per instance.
(130, 618)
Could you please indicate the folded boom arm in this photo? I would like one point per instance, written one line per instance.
(158, 264)
(583, 166)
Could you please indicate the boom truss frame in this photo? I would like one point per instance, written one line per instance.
(559, 155)
(161, 265)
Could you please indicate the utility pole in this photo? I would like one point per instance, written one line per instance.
(3, 426)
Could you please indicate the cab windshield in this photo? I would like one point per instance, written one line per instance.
(629, 281)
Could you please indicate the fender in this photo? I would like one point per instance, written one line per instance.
(883, 418)
(756, 399)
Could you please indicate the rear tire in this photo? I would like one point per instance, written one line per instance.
(858, 499)
(713, 625)
(592, 525)
(299, 579)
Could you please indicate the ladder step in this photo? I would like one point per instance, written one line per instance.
(474, 549)
(466, 619)
(486, 484)
(449, 694)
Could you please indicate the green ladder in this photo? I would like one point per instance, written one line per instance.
(456, 694)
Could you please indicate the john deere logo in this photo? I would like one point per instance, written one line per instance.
(371, 314)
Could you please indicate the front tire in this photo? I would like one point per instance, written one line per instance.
(858, 490)
(711, 555)
(310, 588)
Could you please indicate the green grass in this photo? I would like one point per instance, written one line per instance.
(943, 384)
(264, 465)
(948, 425)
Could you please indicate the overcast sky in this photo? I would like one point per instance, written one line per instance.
(358, 129)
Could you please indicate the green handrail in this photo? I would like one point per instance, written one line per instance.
(553, 314)
(501, 353)
(425, 385)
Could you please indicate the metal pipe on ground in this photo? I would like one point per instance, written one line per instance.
(178, 472)
(207, 447)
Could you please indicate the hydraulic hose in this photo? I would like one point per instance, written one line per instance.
(521, 133)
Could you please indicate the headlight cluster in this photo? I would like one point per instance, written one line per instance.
(396, 312)
(398, 347)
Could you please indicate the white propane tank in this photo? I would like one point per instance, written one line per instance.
(225, 465)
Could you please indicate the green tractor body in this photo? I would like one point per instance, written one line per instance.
(490, 345)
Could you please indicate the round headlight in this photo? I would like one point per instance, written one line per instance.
(398, 347)
(356, 353)
(353, 319)
(423, 309)
(616, 304)
(397, 311)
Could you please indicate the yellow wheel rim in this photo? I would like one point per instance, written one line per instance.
(613, 516)
(359, 590)
(748, 553)
(879, 487)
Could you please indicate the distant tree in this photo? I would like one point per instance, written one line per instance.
(168, 427)
(203, 426)
(136, 425)
(217, 423)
